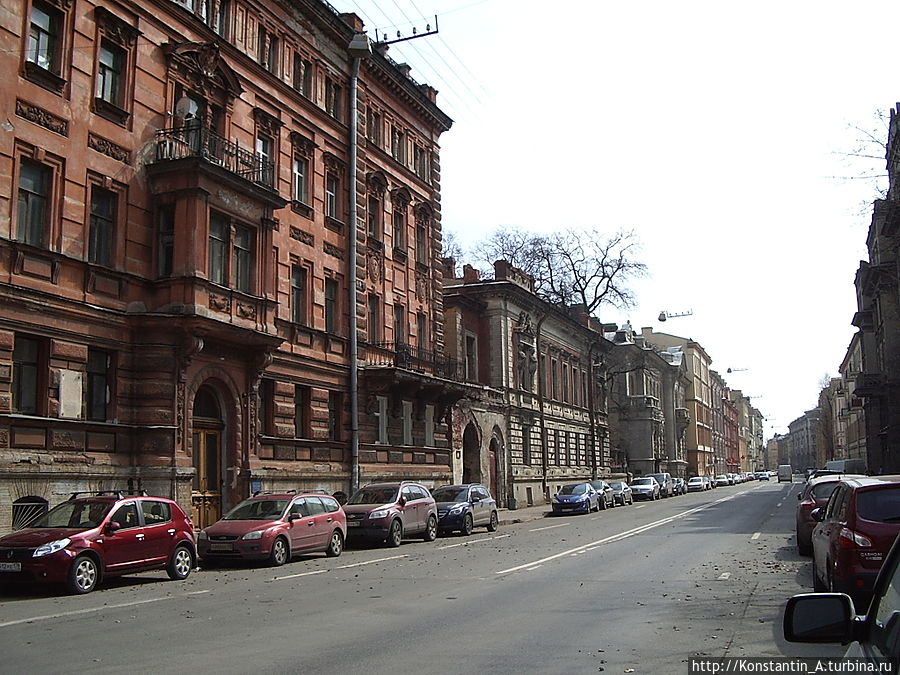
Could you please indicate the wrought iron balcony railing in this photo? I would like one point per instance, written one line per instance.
(196, 141)
(410, 357)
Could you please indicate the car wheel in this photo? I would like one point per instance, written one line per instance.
(395, 534)
(430, 533)
(467, 525)
(601, 505)
(279, 553)
(818, 586)
(83, 575)
(803, 549)
(180, 563)
(494, 523)
(335, 545)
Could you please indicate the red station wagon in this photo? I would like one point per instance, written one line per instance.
(814, 495)
(88, 538)
(854, 533)
(273, 526)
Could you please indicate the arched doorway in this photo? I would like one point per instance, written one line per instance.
(494, 453)
(207, 451)
(471, 455)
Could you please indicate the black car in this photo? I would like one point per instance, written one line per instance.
(622, 492)
(607, 497)
(464, 507)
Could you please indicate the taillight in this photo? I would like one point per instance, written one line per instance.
(850, 539)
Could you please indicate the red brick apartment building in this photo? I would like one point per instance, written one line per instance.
(180, 265)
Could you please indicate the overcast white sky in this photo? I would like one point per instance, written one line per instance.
(717, 131)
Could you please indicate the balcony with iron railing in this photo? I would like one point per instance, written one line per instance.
(411, 358)
(210, 151)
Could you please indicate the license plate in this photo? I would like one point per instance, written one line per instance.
(220, 547)
(352, 523)
(10, 567)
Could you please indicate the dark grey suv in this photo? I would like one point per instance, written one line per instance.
(391, 511)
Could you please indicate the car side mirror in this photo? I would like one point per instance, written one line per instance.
(112, 527)
(799, 496)
(475, 500)
(819, 617)
(402, 501)
(294, 516)
(818, 514)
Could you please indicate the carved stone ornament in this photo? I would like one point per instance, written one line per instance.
(267, 123)
(203, 59)
(333, 251)
(302, 236)
(114, 28)
(524, 325)
(302, 145)
(108, 148)
(376, 182)
(220, 303)
(41, 117)
(375, 265)
(422, 286)
(246, 311)
(333, 163)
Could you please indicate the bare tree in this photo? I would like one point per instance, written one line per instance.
(570, 267)
(866, 159)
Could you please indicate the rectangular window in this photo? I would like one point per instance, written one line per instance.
(471, 358)
(565, 382)
(33, 213)
(301, 180)
(331, 309)
(267, 407)
(429, 425)
(398, 145)
(407, 422)
(373, 127)
(331, 196)
(298, 294)
(218, 249)
(381, 416)
(399, 324)
(242, 253)
(335, 407)
(373, 318)
(302, 411)
(29, 364)
(44, 37)
(373, 216)
(166, 240)
(420, 162)
(110, 73)
(526, 445)
(398, 218)
(422, 330)
(554, 380)
(265, 150)
(98, 380)
(102, 230)
(333, 95)
(303, 72)
(421, 242)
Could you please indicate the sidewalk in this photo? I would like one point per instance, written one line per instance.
(509, 516)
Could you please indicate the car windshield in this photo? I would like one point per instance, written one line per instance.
(374, 495)
(642, 481)
(617, 486)
(258, 509)
(81, 514)
(574, 489)
(882, 505)
(695, 480)
(450, 493)
(598, 485)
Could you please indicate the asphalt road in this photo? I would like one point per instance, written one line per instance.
(634, 589)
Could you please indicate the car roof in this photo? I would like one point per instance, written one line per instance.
(871, 481)
(462, 485)
(833, 478)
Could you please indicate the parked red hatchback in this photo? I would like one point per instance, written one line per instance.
(854, 533)
(89, 538)
(814, 495)
(273, 526)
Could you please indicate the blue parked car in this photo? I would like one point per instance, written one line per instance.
(464, 507)
(576, 498)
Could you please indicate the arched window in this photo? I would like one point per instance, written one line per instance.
(27, 510)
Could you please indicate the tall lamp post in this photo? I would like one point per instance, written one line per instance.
(358, 49)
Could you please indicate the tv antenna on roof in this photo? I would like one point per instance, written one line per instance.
(382, 38)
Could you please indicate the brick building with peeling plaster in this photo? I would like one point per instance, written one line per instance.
(178, 257)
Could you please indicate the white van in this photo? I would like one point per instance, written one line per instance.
(785, 473)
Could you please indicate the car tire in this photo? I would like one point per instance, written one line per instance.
(467, 525)
(181, 562)
(430, 533)
(280, 552)
(395, 534)
(335, 544)
(803, 549)
(818, 586)
(601, 504)
(494, 522)
(83, 575)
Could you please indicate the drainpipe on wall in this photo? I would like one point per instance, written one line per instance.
(358, 50)
(545, 486)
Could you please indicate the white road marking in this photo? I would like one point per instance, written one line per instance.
(724, 576)
(778, 505)
(89, 610)
(755, 535)
(370, 562)
(549, 527)
(616, 537)
(473, 541)
(302, 574)
(640, 506)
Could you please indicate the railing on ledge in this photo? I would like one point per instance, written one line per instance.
(190, 141)
(410, 357)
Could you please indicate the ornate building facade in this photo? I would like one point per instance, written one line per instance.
(218, 255)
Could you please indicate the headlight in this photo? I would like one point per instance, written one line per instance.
(257, 534)
(581, 498)
(202, 536)
(52, 547)
(380, 513)
(457, 509)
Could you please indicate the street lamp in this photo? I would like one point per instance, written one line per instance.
(358, 49)
(663, 315)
